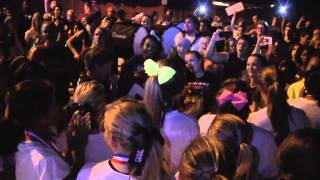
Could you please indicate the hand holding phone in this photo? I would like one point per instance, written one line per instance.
(266, 40)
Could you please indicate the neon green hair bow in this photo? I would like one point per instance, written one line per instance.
(164, 73)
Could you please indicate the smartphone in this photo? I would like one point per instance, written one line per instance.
(266, 41)
(225, 34)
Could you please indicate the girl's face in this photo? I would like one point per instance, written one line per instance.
(204, 41)
(149, 48)
(193, 63)
(304, 56)
(242, 47)
(182, 50)
(241, 31)
(253, 67)
(98, 37)
(57, 11)
(294, 52)
(260, 30)
(203, 27)
(232, 46)
(189, 26)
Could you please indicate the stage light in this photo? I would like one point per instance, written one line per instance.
(272, 5)
(202, 9)
(283, 9)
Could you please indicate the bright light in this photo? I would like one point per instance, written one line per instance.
(272, 5)
(218, 3)
(283, 9)
(202, 9)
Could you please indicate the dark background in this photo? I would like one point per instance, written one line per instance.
(308, 8)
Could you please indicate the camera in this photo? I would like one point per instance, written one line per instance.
(82, 109)
(225, 34)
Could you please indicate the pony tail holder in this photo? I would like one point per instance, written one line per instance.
(164, 73)
(238, 100)
(142, 144)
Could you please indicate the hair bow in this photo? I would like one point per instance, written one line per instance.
(164, 73)
(238, 100)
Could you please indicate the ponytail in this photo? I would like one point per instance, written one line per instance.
(248, 159)
(278, 108)
(157, 163)
(128, 121)
(278, 111)
(153, 101)
(232, 129)
(147, 157)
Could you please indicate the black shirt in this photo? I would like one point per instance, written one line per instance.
(234, 67)
(133, 72)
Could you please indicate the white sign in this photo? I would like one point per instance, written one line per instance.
(234, 8)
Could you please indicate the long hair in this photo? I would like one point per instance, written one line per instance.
(131, 125)
(36, 22)
(209, 158)
(158, 98)
(271, 82)
(230, 128)
(298, 155)
(92, 96)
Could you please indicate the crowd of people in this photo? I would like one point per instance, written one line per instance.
(236, 100)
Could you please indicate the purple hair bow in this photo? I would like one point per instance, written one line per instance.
(238, 100)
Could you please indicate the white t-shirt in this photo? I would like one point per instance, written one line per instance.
(179, 129)
(37, 161)
(297, 119)
(101, 171)
(310, 107)
(97, 150)
(262, 140)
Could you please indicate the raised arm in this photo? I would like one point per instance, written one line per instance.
(75, 53)
(210, 53)
(233, 21)
(47, 6)
(257, 48)
(283, 24)
(299, 24)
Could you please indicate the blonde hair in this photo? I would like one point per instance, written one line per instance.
(154, 101)
(91, 93)
(36, 17)
(208, 158)
(126, 119)
(167, 95)
(231, 128)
